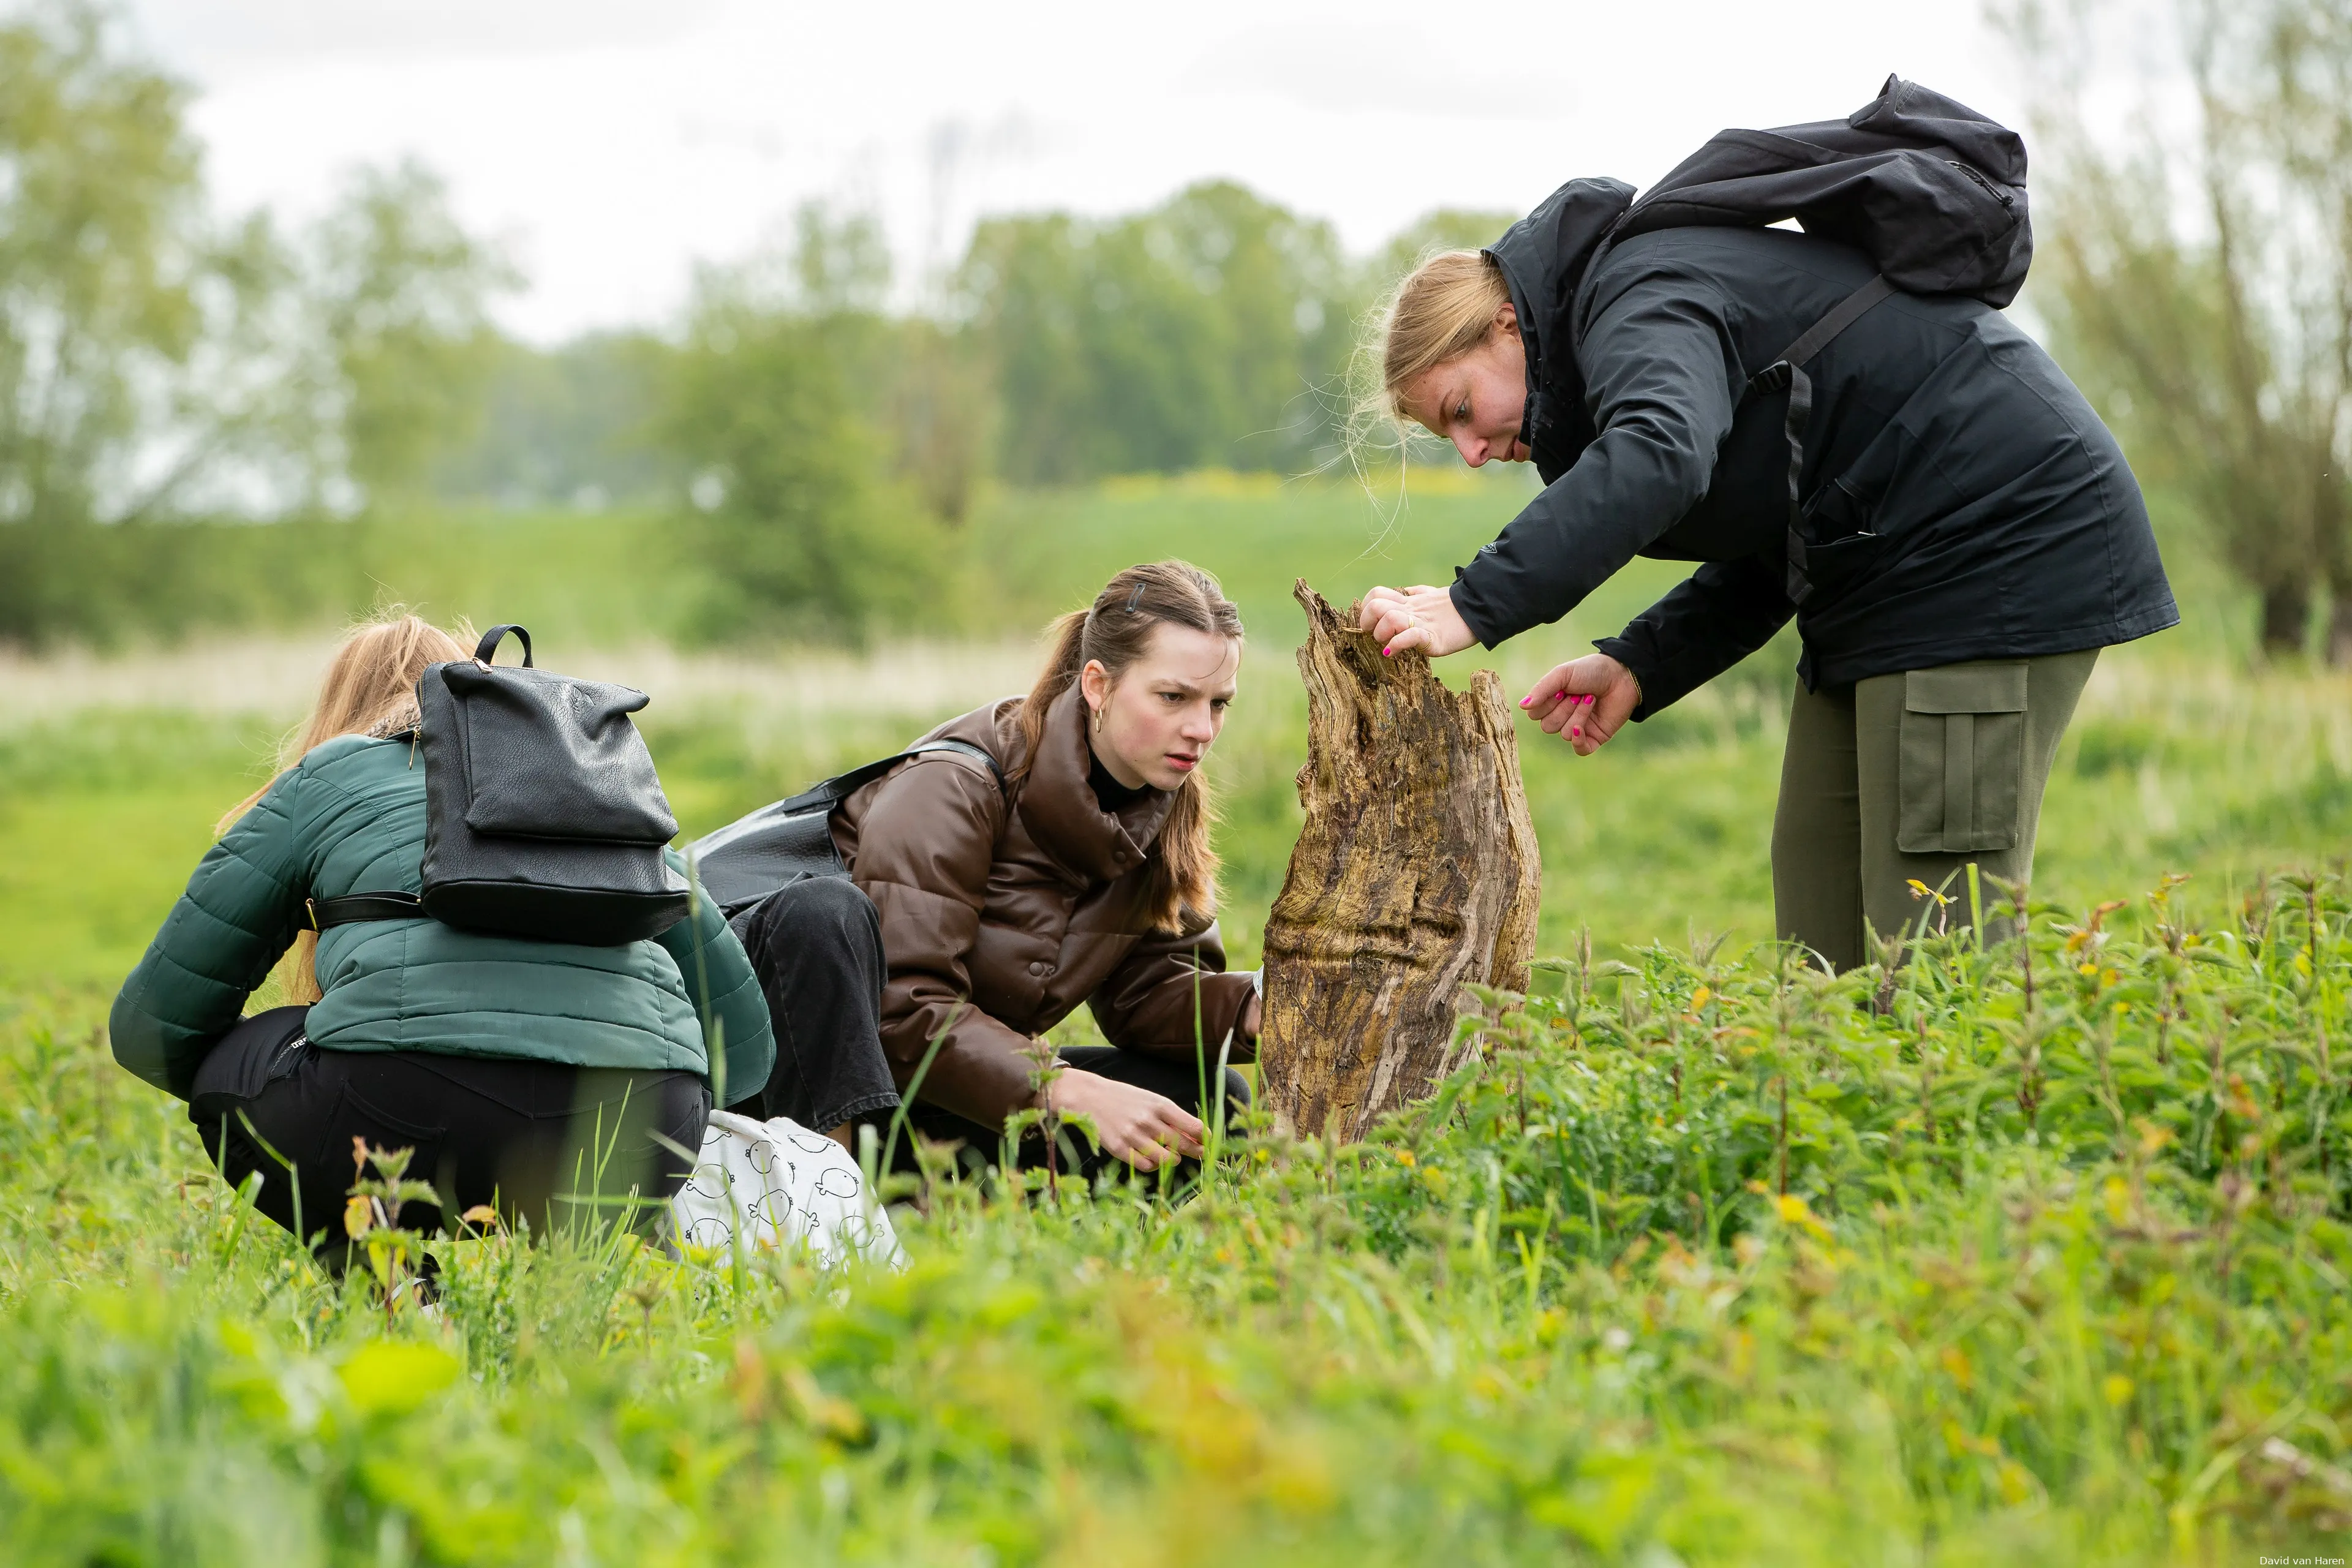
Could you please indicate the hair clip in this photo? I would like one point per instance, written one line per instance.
(1136, 597)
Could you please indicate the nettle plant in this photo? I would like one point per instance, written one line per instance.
(2069, 1207)
(371, 1218)
(1662, 1096)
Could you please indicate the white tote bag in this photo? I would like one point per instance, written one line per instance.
(776, 1184)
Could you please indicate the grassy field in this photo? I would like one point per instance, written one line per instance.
(1709, 1261)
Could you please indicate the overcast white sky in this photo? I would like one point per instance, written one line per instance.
(610, 144)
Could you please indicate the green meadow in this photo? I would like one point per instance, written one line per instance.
(2029, 1253)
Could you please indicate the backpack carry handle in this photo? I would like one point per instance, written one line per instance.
(496, 634)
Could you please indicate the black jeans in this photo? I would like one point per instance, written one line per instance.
(817, 946)
(541, 1141)
(984, 1146)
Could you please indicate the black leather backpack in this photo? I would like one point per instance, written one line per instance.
(543, 816)
(1931, 191)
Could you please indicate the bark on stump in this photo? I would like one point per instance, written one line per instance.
(1417, 871)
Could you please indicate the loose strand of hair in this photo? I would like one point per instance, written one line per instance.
(1467, 286)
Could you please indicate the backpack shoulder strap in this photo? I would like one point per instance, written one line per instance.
(1818, 336)
(353, 908)
(832, 792)
(1789, 370)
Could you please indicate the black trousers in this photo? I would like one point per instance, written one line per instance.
(817, 946)
(541, 1141)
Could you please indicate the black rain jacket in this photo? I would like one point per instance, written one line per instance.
(1963, 500)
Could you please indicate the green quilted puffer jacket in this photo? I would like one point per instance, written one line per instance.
(350, 818)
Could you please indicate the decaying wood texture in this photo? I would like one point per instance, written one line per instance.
(1417, 872)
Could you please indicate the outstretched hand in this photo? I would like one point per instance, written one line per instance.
(1590, 699)
(1422, 617)
(1144, 1129)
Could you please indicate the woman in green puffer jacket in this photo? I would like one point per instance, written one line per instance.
(538, 1077)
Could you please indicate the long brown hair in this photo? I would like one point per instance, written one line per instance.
(369, 689)
(1114, 631)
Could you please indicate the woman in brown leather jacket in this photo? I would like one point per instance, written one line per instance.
(1084, 874)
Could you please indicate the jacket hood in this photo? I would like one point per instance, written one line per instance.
(1543, 258)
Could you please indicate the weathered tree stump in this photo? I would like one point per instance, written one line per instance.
(1417, 872)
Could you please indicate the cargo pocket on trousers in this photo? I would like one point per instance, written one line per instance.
(1961, 760)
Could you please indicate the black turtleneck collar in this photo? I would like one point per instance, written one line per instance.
(1109, 793)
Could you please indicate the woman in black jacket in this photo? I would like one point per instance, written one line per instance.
(1978, 535)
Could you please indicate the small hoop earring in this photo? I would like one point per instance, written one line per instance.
(1097, 721)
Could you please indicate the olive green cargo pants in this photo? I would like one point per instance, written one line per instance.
(1904, 778)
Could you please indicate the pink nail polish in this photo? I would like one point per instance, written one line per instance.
(1525, 701)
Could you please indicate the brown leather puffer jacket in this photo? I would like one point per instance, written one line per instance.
(1026, 902)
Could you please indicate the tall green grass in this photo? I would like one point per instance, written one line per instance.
(1706, 1259)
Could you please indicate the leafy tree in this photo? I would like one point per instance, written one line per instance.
(154, 361)
(1200, 332)
(2203, 294)
(943, 411)
(911, 380)
(805, 532)
(1447, 228)
(403, 299)
(134, 338)
(579, 424)
(98, 258)
(1025, 277)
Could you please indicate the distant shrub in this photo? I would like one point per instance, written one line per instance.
(801, 534)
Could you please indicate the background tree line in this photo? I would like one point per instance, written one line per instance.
(2195, 268)
(820, 445)
(159, 363)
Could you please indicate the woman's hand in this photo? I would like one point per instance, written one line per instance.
(1422, 617)
(1589, 698)
(1144, 1129)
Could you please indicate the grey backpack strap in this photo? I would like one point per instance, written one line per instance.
(1789, 370)
(832, 792)
(995, 769)
(753, 856)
